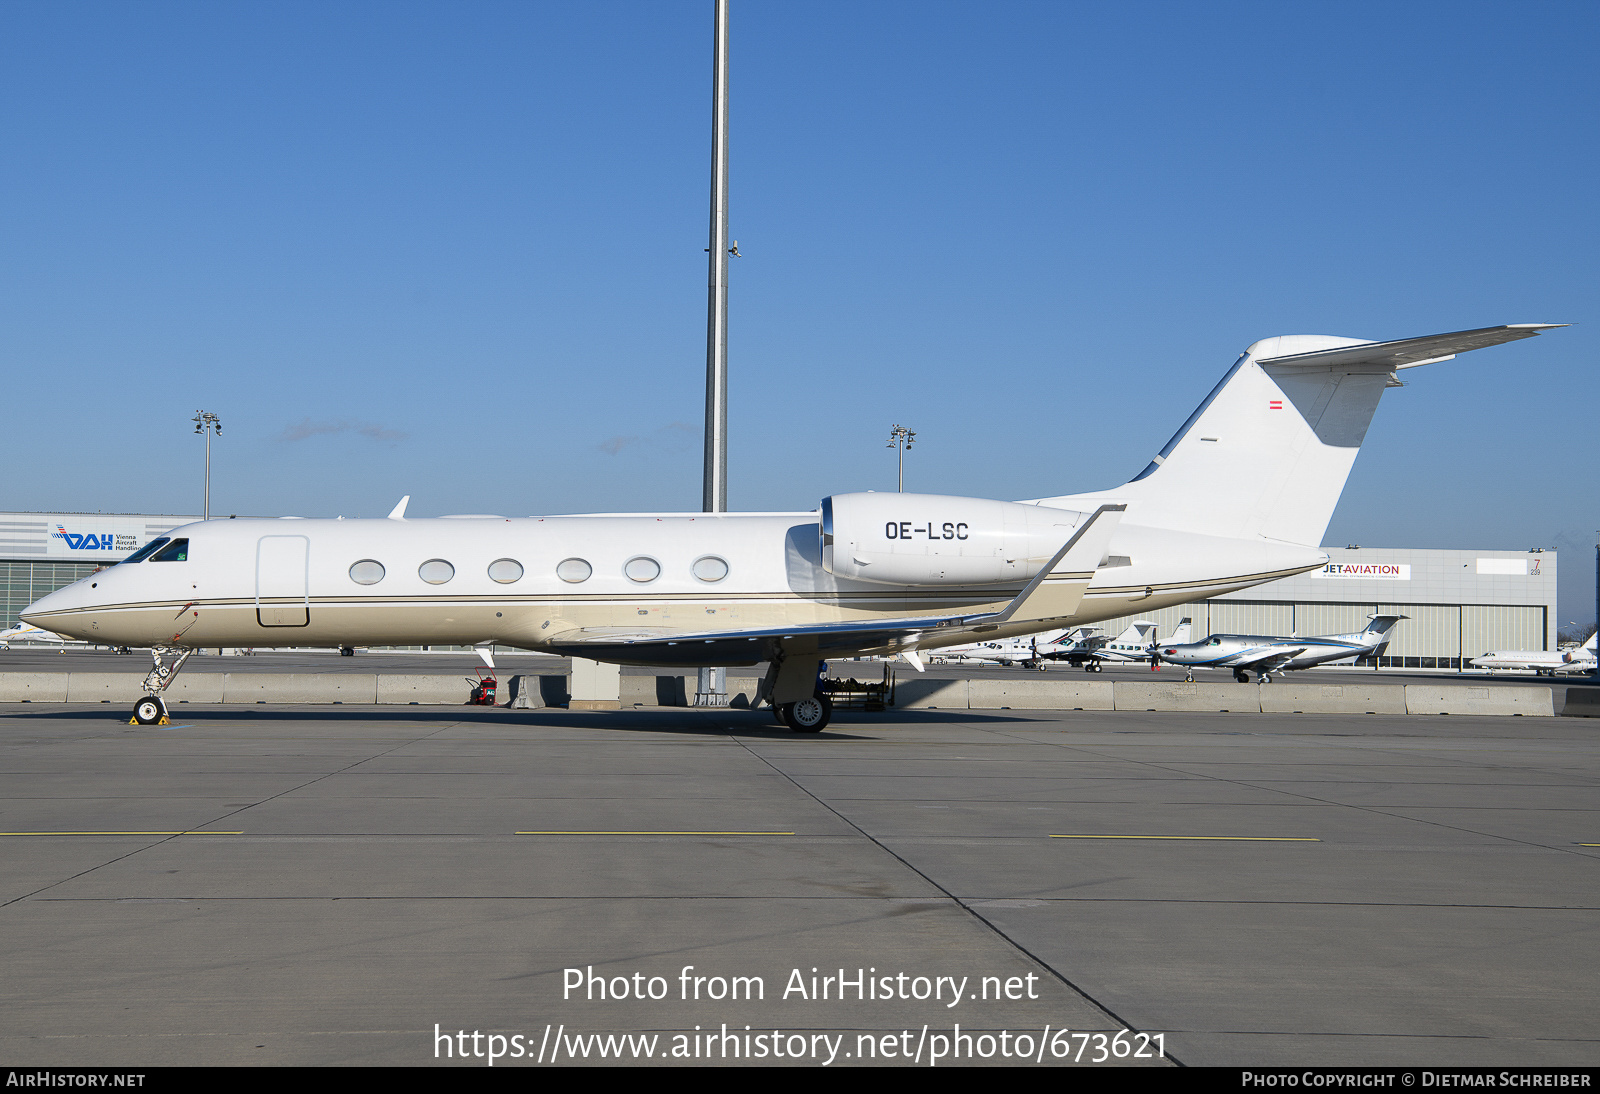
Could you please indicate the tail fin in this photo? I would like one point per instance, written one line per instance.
(1268, 452)
(1381, 624)
(1590, 645)
(1180, 634)
(1139, 633)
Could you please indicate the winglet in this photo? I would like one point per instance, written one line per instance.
(399, 511)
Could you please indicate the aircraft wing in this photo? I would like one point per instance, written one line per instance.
(1267, 660)
(1068, 572)
(1410, 352)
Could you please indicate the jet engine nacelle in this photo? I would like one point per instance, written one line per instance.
(937, 539)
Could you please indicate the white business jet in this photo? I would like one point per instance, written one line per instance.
(1241, 495)
(1542, 662)
(26, 634)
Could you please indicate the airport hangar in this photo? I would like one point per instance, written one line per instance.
(1460, 604)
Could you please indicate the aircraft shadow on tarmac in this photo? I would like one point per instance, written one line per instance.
(746, 723)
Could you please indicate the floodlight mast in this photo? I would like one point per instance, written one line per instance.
(711, 689)
(900, 438)
(716, 456)
(207, 423)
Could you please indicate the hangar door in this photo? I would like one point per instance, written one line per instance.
(281, 580)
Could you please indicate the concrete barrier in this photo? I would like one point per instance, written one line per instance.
(298, 687)
(1200, 698)
(922, 693)
(596, 685)
(1466, 699)
(742, 691)
(422, 690)
(128, 688)
(1582, 702)
(33, 687)
(642, 691)
(1357, 698)
(1040, 694)
(925, 694)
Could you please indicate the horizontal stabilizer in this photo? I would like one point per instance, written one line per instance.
(1409, 352)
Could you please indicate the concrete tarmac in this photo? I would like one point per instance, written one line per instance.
(347, 885)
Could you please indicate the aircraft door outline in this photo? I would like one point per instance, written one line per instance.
(283, 565)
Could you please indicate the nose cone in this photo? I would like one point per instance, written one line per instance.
(57, 611)
(34, 613)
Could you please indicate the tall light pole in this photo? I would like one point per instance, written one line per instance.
(207, 423)
(900, 438)
(716, 462)
(711, 690)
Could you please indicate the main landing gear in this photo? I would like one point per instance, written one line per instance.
(152, 709)
(807, 715)
(1093, 666)
(1240, 676)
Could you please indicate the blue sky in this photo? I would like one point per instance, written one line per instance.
(456, 250)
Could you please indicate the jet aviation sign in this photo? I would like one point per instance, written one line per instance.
(1366, 571)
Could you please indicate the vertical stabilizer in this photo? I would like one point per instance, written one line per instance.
(1266, 455)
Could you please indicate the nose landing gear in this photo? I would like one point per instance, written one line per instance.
(152, 709)
(149, 711)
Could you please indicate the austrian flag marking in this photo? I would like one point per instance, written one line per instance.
(1276, 404)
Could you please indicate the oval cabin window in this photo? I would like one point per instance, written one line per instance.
(710, 568)
(505, 570)
(367, 572)
(642, 569)
(574, 570)
(436, 571)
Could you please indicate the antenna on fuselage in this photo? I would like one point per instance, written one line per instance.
(399, 511)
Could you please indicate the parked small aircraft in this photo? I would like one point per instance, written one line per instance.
(1133, 644)
(1542, 662)
(1267, 655)
(26, 634)
(1003, 651)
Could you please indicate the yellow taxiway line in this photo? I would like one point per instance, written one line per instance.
(1228, 839)
(183, 833)
(564, 833)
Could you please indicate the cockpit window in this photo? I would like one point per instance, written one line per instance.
(177, 551)
(146, 551)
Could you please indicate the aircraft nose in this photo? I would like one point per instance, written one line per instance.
(39, 611)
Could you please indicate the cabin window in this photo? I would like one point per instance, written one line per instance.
(642, 569)
(436, 571)
(710, 568)
(147, 550)
(505, 570)
(367, 572)
(574, 570)
(176, 551)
